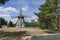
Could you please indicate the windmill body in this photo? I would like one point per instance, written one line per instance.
(20, 21)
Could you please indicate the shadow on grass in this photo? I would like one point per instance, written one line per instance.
(53, 31)
(13, 34)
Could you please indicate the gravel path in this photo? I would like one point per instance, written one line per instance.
(49, 37)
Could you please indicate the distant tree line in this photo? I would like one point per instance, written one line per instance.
(3, 22)
(33, 23)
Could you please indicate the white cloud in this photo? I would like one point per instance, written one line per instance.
(32, 18)
(14, 20)
(25, 8)
(2, 9)
(4, 15)
(11, 9)
(8, 18)
(8, 9)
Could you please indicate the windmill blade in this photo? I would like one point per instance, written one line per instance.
(31, 18)
(14, 16)
(27, 16)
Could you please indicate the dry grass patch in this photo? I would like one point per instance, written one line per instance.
(30, 31)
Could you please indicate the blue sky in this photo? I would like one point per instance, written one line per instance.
(12, 8)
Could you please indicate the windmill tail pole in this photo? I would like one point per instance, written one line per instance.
(21, 11)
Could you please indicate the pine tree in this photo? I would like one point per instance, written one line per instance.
(46, 16)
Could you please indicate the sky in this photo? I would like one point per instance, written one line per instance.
(12, 8)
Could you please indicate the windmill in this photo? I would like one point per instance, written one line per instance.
(20, 21)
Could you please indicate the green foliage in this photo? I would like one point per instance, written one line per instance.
(3, 22)
(42, 26)
(46, 16)
(31, 24)
(27, 24)
(10, 24)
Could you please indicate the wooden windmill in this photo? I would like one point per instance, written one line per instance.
(20, 21)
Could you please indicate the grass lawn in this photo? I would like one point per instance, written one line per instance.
(20, 32)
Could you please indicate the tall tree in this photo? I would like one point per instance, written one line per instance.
(46, 15)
